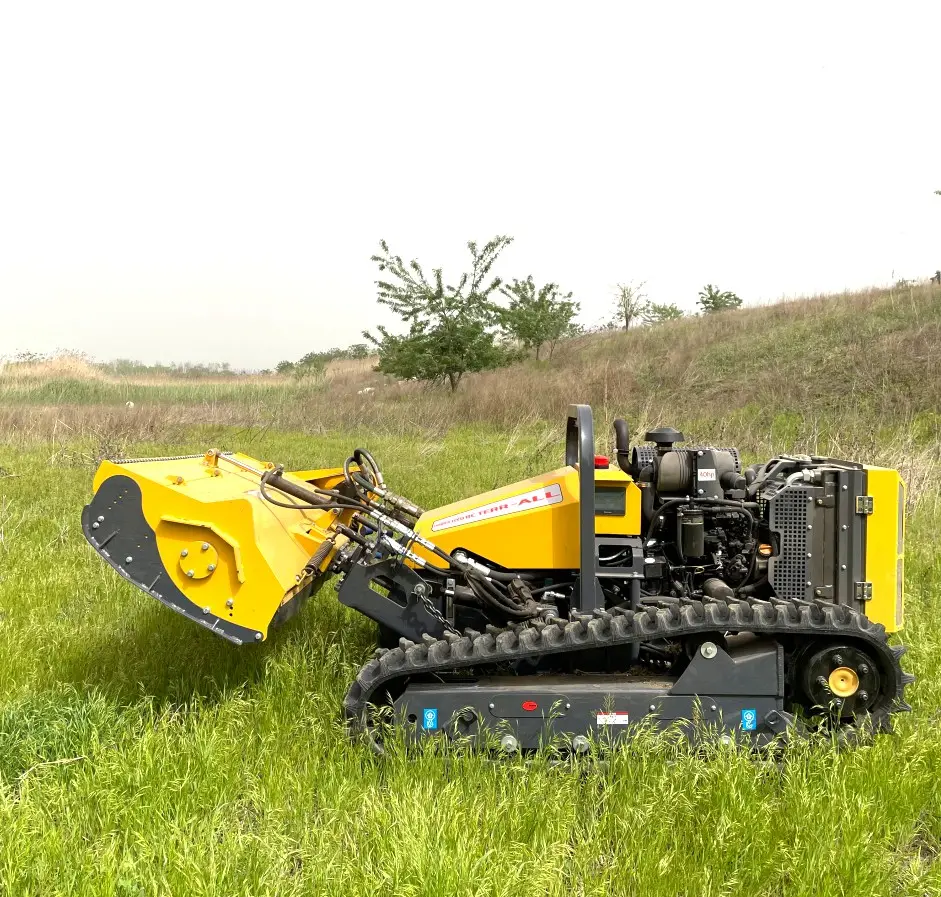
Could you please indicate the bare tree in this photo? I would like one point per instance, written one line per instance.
(630, 303)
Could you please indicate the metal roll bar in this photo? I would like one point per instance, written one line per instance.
(580, 453)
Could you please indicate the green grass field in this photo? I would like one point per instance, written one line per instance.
(141, 755)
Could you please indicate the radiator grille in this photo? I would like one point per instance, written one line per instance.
(788, 515)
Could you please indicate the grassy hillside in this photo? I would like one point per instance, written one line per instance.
(141, 755)
(856, 374)
(870, 356)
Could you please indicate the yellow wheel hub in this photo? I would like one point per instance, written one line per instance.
(844, 682)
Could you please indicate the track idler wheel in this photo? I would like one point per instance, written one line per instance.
(841, 679)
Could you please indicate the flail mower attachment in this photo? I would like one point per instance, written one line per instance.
(198, 534)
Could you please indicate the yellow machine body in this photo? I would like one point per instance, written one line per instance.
(231, 560)
(532, 524)
(885, 547)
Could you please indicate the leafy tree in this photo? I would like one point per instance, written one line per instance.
(312, 366)
(712, 299)
(451, 328)
(536, 317)
(657, 313)
(630, 302)
(574, 329)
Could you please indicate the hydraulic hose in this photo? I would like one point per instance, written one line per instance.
(622, 442)
(310, 499)
(675, 502)
(485, 583)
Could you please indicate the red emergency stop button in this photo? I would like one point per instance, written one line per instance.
(530, 706)
(602, 462)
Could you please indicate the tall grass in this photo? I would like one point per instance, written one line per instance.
(140, 755)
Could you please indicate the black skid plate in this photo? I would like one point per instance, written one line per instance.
(739, 692)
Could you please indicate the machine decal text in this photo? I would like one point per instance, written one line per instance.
(541, 497)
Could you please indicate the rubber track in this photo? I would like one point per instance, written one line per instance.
(610, 629)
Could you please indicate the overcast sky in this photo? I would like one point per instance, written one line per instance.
(207, 182)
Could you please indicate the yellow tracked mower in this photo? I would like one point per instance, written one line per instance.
(675, 587)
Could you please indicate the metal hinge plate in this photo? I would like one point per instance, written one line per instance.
(864, 505)
(862, 591)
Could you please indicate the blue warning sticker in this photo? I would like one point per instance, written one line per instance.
(749, 720)
(429, 718)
